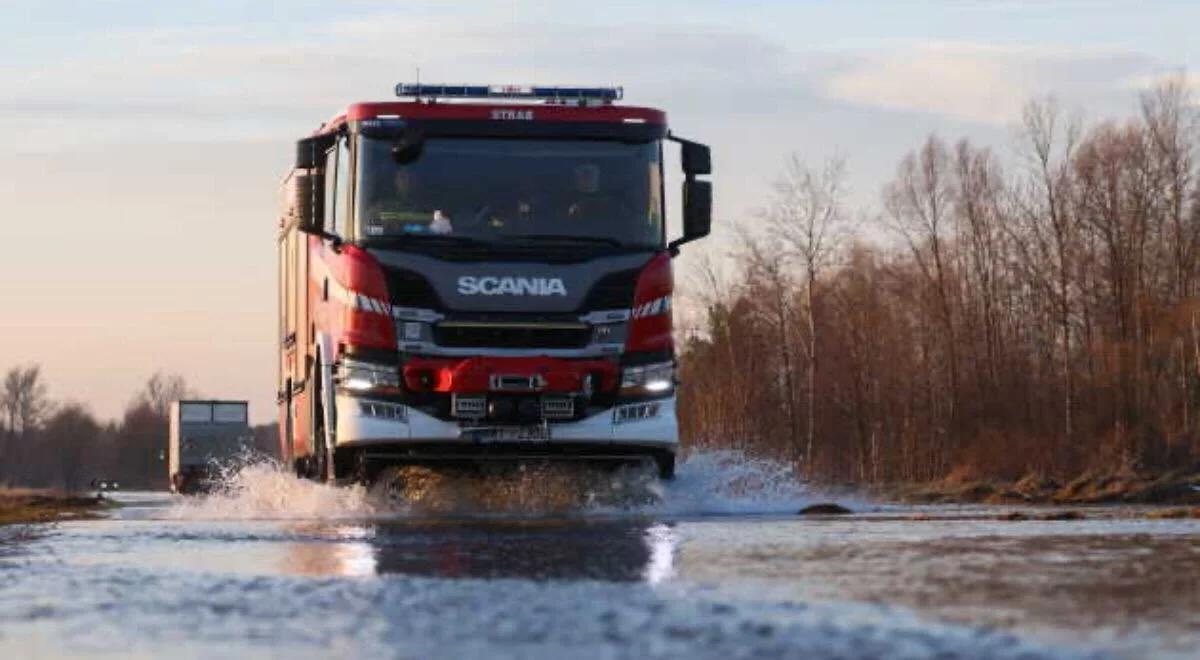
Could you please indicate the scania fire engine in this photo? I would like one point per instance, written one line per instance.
(482, 273)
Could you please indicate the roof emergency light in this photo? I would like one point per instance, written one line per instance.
(554, 94)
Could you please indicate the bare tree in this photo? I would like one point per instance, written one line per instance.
(769, 278)
(161, 389)
(1052, 228)
(919, 204)
(1170, 121)
(24, 401)
(806, 216)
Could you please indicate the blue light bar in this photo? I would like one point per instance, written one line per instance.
(534, 92)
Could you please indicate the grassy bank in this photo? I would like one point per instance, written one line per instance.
(1175, 488)
(37, 506)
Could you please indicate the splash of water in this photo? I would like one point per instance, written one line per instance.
(730, 482)
(266, 490)
(706, 483)
(534, 490)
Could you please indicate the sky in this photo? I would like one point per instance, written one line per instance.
(145, 140)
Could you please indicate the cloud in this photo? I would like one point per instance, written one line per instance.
(982, 83)
(1147, 82)
(216, 83)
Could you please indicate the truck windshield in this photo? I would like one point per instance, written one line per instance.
(498, 190)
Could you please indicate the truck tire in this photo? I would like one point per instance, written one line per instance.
(319, 464)
(666, 466)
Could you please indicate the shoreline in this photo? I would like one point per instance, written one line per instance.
(1178, 488)
(27, 506)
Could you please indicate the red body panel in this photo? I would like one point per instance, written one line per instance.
(473, 375)
(356, 311)
(484, 111)
(650, 325)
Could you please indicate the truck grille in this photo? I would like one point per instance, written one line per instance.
(511, 335)
(512, 409)
(558, 407)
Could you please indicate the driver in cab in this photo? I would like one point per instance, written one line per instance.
(591, 203)
(398, 209)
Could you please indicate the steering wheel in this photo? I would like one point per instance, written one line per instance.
(617, 204)
(477, 218)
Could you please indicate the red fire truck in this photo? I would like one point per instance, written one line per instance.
(481, 273)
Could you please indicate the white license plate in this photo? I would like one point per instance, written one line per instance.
(508, 434)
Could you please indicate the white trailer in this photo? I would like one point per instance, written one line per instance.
(205, 434)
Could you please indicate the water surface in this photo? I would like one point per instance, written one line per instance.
(719, 567)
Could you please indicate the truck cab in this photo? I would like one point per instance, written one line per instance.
(481, 273)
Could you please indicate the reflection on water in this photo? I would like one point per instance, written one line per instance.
(1125, 584)
(614, 551)
(663, 543)
(349, 553)
(375, 584)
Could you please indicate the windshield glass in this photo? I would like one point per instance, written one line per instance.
(495, 189)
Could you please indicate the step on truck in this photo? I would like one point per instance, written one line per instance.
(478, 273)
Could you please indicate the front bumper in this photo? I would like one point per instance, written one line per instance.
(359, 426)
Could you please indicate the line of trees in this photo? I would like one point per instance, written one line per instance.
(48, 444)
(1036, 316)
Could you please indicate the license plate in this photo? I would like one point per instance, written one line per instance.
(508, 434)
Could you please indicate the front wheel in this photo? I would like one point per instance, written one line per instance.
(666, 465)
(319, 461)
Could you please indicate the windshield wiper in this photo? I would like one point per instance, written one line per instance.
(429, 238)
(602, 240)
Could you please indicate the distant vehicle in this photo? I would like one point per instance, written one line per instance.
(481, 273)
(204, 436)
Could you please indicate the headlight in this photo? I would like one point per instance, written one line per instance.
(649, 378)
(358, 376)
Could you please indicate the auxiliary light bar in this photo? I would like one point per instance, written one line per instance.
(532, 92)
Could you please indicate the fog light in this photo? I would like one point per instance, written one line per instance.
(424, 380)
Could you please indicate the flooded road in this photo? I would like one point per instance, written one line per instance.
(718, 568)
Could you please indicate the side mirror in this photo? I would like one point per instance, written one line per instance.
(310, 152)
(308, 182)
(697, 159)
(697, 209)
(308, 201)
